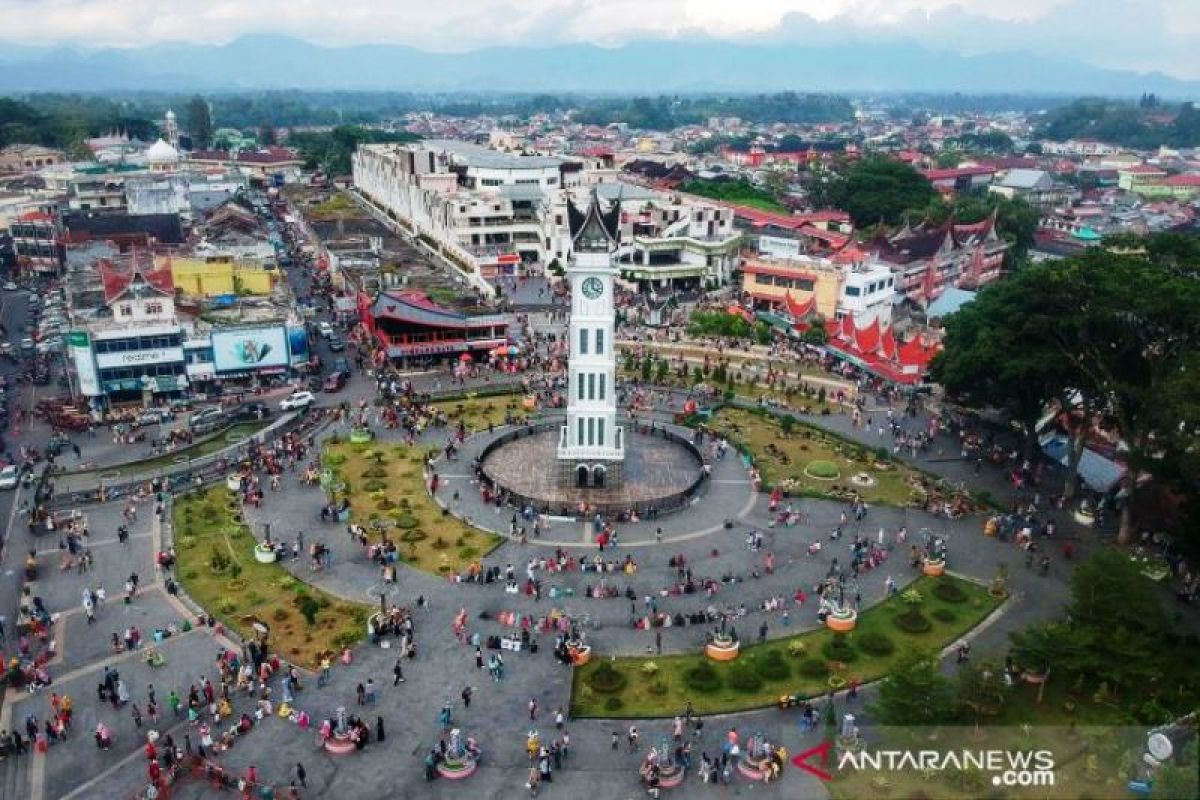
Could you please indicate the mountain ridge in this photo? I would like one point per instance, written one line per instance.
(281, 62)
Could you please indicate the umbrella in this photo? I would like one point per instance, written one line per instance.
(465, 357)
(513, 350)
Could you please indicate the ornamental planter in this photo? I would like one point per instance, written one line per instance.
(264, 555)
(1085, 517)
(842, 621)
(722, 649)
(233, 482)
(934, 568)
(580, 654)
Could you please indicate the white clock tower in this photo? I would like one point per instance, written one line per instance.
(591, 447)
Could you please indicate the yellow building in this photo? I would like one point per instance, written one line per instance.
(218, 275)
(770, 280)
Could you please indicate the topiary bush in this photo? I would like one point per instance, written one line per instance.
(744, 679)
(772, 666)
(814, 668)
(413, 536)
(406, 521)
(945, 615)
(875, 644)
(702, 678)
(949, 592)
(308, 608)
(375, 472)
(912, 621)
(607, 679)
(375, 486)
(613, 704)
(838, 648)
(825, 470)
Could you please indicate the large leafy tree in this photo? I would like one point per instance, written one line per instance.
(915, 693)
(996, 355)
(874, 190)
(199, 121)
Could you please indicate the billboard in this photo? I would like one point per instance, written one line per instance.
(249, 349)
(298, 344)
(85, 366)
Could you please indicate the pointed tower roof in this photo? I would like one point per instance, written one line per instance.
(594, 230)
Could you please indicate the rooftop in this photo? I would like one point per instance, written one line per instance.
(474, 155)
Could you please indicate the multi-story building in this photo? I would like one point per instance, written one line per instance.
(38, 242)
(29, 157)
(497, 214)
(829, 288)
(926, 259)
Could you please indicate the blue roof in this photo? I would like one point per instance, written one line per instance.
(950, 301)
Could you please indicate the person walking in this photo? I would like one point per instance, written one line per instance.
(533, 708)
(397, 673)
(466, 696)
(301, 775)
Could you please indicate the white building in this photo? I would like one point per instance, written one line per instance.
(499, 214)
(591, 447)
(868, 292)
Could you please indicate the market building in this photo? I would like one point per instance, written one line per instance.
(412, 328)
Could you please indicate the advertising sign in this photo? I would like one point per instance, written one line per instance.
(250, 348)
(135, 358)
(298, 344)
(85, 366)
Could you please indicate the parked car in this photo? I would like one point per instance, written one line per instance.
(153, 416)
(337, 344)
(297, 400)
(10, 476)
(248, 412)
(340, 364)
(335, 382)
(325, 329)
(11, 287)
(206, 417)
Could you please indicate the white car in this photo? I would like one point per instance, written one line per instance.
(10, 287)
(325, 329)
(10, 476)
(297, 400)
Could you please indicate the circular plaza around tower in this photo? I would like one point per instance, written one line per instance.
(662, 470)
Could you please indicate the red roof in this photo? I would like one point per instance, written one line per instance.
(1143, 169)
(269, 155)
(788, 221)
(875, 348)
(832, 238)
(35, 216)
(117, 278)
(595, 152)
(1183, 180)
(800, 310)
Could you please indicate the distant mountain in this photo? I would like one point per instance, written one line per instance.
(260, 62)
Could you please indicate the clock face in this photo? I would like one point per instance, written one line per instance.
(593, 288)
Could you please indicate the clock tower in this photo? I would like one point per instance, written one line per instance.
(591, 447)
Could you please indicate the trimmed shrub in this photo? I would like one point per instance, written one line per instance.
(375, 486)
(949, 592)
(607, 679)
(744, 679)
(308, 608)
(814, 668)
(875, 644)
(913, 621)
(702, 678)
(613, 703)
(375, 472)
(838, 648)
(406, 521)
(413, 536)
(826, 470)
(944, 615)
(773, 667)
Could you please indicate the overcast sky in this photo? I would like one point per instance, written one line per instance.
(1133, 34)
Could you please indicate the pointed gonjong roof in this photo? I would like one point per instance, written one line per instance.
(594, 230)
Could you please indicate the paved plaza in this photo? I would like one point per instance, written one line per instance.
(710, 535)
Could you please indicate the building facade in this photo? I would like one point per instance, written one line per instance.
(591, 446)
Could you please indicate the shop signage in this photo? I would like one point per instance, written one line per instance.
(129, 358)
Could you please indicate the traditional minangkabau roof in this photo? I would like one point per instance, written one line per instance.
(594, 225)
(415, 306)
(798, 310)
(875, 348)
(139, 272)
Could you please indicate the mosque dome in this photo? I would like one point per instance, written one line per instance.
(162, 153)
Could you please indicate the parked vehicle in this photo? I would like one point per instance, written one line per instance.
(10, 476)
(206, 417)
(297, 400)
(325, 329)
(335, 382)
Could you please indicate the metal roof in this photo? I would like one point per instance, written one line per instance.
(474, 155)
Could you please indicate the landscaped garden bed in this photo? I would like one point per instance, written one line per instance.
(804, 460)
(386, 487)
(808, 664)
(217, 567)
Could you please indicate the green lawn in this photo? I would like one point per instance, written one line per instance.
(386, 481)
(795, 460)
(217, 568)
(804, 664)
(219, 441)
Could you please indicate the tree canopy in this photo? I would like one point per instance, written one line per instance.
(915, 693)
(873, 190)
(1123, 123)
(330, 151)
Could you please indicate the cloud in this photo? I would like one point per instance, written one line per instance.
(1132, 34)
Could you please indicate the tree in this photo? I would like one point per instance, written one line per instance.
(815, 335)
(982, 690)
(875, 189)
(915, 693)
(199, 122)
(266, 134)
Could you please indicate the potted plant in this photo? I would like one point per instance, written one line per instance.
(264, 552)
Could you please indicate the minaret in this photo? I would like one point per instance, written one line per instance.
(591, 447)
(171, 129)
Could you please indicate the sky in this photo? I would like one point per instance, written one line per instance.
(1141, 35)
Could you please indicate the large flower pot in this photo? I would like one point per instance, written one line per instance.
(339, 745)
(264, 556)
(842, 622)
(1085, 517)
(934, 568)
(233, 482)
(722, 650)
(457, 769)
(580, 655)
